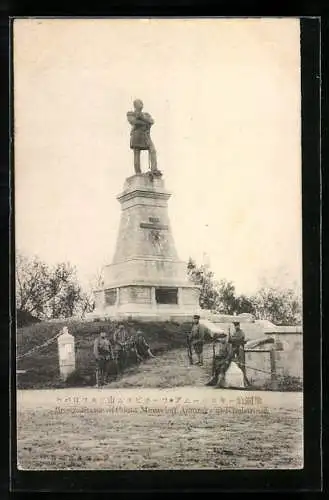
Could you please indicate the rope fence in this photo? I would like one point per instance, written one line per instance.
(208, 356)
(39, 347)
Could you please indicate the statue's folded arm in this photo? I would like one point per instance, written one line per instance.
(131, 117)
(148, 118)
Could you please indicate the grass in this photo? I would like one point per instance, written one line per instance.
(285, 383)
(98, 440)
(42, 369)
(169, 370)
(86, 440)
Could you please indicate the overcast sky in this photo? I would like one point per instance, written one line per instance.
(225, 96)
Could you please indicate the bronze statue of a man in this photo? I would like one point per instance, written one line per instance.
(140, 138)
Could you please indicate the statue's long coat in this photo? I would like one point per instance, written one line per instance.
(140, 133)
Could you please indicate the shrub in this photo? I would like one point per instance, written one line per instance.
(285, 383)
(289, 383)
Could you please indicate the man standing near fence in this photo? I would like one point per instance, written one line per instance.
(195, 340)
(103, 355)
(237, 339)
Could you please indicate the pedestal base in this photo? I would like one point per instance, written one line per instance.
(154, 302)
(144, 314)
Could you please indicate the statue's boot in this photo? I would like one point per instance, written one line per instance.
(153, 159)
(137, 161)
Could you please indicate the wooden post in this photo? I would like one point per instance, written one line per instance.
(66, 353)
(274, 380)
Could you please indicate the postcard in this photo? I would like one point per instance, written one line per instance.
(158, 229)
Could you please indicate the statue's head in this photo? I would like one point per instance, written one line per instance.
(138, 104)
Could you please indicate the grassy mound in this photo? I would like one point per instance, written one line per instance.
(169, 370)
(42, 368)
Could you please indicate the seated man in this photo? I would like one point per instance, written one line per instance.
(222, 357)
(142, 347)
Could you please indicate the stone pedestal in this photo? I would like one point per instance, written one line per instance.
(146, 277)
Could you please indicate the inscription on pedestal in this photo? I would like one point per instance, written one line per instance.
(110, 297)
(151, 225)
(190, 296)
(141, 294)
(135, 295)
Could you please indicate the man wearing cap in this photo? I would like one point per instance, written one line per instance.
(195, 340)
(103, 355)
(222, 357)
(120, 337)
(237, 340)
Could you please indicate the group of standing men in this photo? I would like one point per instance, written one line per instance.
(117, 351)
(226, 348)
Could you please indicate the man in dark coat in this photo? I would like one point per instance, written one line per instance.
(195, 340)
(237, 340)
(140, 138)
(120, 337)
(103, 355)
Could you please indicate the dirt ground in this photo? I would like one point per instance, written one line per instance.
(179, 428)
(159, 415)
